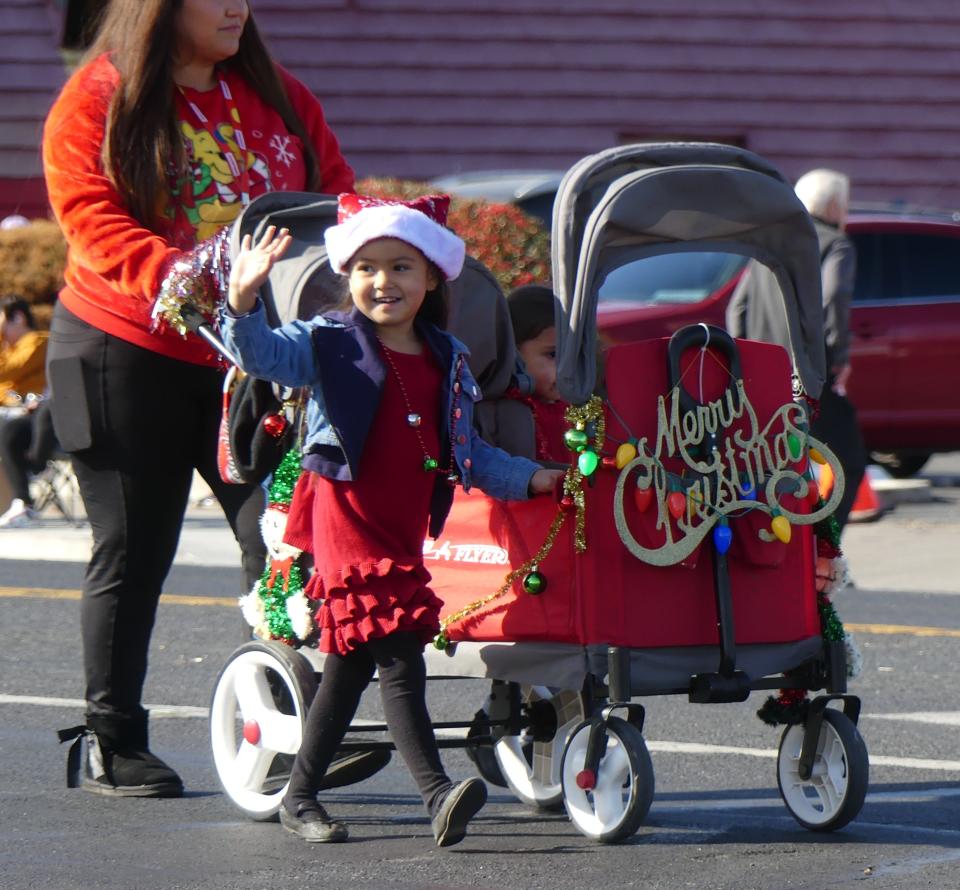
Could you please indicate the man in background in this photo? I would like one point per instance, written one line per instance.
(756, 312)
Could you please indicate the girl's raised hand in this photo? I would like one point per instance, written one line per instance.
(252, 265)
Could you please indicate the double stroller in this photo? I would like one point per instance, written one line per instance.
(678, 558)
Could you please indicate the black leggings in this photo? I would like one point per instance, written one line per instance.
(402, 672)
(137, 424)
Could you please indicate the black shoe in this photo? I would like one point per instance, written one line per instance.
(313, 824)
(350, 767)
(459, 806)
(127, 772)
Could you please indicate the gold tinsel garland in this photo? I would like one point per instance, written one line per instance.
(574, 498)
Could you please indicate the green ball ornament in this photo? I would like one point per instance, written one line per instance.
(440, 641)
(430, 464)
(534, 583)
(575, 440)
(587, 462)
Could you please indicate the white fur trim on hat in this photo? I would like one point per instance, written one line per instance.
(437, 243)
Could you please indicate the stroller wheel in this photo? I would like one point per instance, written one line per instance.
(837, 787)
(618, 801)
(256, 723)
(530, 762)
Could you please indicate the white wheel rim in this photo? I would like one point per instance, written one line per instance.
(818, 799)
(539, 781)
(601, 810)
(242, 694)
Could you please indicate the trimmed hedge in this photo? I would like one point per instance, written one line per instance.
(513, 245)
(32, 258)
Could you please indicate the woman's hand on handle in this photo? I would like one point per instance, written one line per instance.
(252, 265)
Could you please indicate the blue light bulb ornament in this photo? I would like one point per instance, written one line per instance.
(722, 536)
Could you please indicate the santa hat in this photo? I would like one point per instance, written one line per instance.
(421, 223)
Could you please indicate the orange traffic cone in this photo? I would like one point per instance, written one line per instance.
(866, 505)
(825, 480)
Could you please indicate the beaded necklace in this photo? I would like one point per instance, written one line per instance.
(430, 464)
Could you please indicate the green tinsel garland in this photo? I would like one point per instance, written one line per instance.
(275, 599)
(285, 478)
(275, 602)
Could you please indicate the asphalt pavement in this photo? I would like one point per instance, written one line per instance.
(717, 819)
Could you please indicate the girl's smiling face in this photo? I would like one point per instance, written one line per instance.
(388, 281)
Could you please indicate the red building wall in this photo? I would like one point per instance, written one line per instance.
(419, 88)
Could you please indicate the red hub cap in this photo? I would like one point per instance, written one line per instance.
(251, 731)
(586, 779)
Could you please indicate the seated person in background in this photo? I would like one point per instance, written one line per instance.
(27, 442)
(23, 352)
(532, 314)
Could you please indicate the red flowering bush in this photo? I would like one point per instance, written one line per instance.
(511, 244)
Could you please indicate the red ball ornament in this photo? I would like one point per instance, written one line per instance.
(676, 503)
(275, 425)
(642, 497)
(566, 502)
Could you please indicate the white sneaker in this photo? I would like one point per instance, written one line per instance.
(18, 515)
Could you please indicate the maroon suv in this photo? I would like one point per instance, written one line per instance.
(905, 323)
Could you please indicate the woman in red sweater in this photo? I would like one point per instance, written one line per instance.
(175, 121)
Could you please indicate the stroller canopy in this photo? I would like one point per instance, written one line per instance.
(636, 201)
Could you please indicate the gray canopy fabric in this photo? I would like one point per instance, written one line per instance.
(636, 201)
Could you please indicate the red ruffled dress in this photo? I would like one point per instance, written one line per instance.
(367, 535)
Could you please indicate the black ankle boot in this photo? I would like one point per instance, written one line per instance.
(117, 761)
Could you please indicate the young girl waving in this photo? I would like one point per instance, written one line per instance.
(389, 434)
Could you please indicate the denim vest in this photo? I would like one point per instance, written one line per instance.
(339, 357)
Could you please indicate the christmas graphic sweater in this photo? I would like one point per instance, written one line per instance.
(115, 264)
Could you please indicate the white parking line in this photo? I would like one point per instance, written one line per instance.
(657, 747)
(935, 718)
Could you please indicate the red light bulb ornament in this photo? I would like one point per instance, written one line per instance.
(642, 496)
(676, 503)
(722, 536)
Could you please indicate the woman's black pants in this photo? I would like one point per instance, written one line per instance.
(136, 424)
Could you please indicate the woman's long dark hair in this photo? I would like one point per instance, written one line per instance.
(141, 137)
